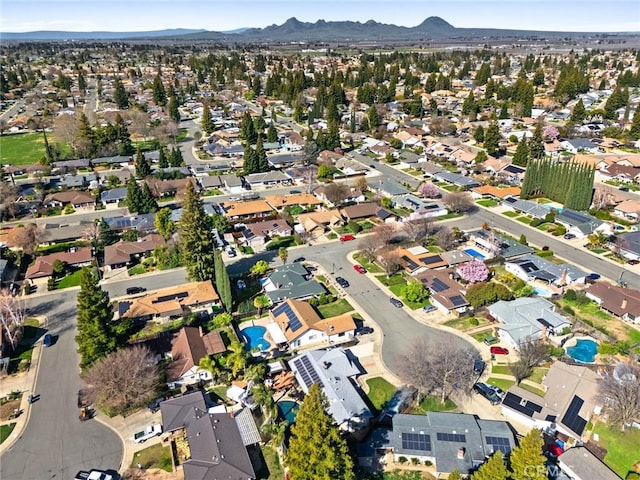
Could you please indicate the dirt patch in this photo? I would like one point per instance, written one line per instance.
(6, 409)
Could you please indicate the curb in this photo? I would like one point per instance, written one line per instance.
(122, 468)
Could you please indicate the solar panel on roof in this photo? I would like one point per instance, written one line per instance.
(307, 371)
(458, 300)
(173, 296)
(410, 263)
(499, 443)
(279, 309)
(416, 441)
(571, 419)
(438, 285)
(310, 368)
(451, 437)
(431, 259)
(521, 405)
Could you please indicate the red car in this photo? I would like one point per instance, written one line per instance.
(346, 238)
(495, 350)
(360, 269)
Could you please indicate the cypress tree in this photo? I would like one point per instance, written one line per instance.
(142, 165)
(492, 469)
(134, 196)
(492, 138)
(261, 157)
(579, 112)
(521, 157)
(148, 204)
(159, 94)
(120, 95)
(536, 144)
(196, 244)
(634, 130)
(223, 284)
(95, 337)
(250, 162)
(207, 120)
(527, 460)
(162, 158)
(174, 113)
(272, 134)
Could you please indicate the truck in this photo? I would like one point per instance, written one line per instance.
(147, 433)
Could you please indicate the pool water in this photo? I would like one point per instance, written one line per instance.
(254, 338)
(474, 253)
(542, 291)
(584, 351)
(287, 410)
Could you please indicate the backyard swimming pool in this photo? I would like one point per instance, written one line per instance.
(474, 253)
(288, 410)
(542, 291)
(584, 351)
(254, 338)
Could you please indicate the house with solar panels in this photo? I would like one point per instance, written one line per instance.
(297, 324)
(447, 295)
(449, 440)
(581, 224)
(569, 402)
(335, 371)
(533, 267)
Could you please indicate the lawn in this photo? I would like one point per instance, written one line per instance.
(334, 309)
(480, 336)
(503, 383)
(272, 463)
(155, 456)
(371, 267)
(501, 369)
(137, 270)
(489, 202)
(510, 214)
(380, 392)
(71, 280)
(525, 220)
(5, 431)
(538, 374)
(464, 324)
(622, 447)
(21, 149)
(591, 314)
(396, 279)
(432, 403)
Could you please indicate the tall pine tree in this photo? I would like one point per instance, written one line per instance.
(316, 449)
(134, 196)
(174, 113)
(120, 95)
(196, 243)
(223, 284)
(492, 469)
(527, 460)
(521, 157)
(261, 156)
(95, 338)
(163, 161)
(207, 120)
(143, 168)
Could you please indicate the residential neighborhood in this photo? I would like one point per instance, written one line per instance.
(239, 262)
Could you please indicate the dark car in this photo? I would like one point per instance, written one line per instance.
(633, 262)
(569, 236)
(299, 259)
(487, 392)
(47, 340)
(593, 276)
(396, 303)
(342, 282)
(134, 290)
(478, 366)
(364, 331)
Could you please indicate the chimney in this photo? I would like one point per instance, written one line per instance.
(624, 304)
(543, 333)
(461, 453)
(201, 331)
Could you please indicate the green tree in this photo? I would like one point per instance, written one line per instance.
(237, 357)
(283, 254)
(372, 115)
(163, 161)
(454, 475)
(148, 204)
(579, 112)
(415, 291)
(175, 157)
(272, 134)
(521, 157)
(223, 284)
(260, 302)
(158, 91)
(197, 245)
(527, 460)
(134, 196)
(143, 168)
(478, 134)
(163, 223)
(634, 130)
(260, 268)
(106, 235)
(492, 138)
(174, 113)
(492, 469)
(120, 95)
(95, 336)
(261, 156)
(207, 120)
(222, 320)
(536, 143)
(316, 449)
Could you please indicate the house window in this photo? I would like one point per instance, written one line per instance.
(342, 334)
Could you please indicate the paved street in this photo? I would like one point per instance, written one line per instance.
(56, 444)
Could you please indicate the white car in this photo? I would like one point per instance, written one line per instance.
(149, 432)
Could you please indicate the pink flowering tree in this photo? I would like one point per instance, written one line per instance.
(428, 190)
(474, 271)
(550, 133)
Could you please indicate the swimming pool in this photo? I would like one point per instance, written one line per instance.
(474, 253)
(288, 410)
(584, 351)
(254, 338)
(542, 291)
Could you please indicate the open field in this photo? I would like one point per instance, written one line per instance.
(21, 148)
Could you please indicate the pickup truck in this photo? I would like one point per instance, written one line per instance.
(149, 432)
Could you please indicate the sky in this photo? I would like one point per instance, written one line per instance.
(225, 15)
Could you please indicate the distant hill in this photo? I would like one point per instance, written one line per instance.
(293, 30)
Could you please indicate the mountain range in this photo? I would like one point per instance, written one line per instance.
(293, 30)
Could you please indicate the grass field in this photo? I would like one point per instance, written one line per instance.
(5, 431)
(21, 149)
(503, 383)
(380, 392)
(510, 214)
(432, 404)
(71, 280)
(335, 308)
(155, 456)
(621, 452)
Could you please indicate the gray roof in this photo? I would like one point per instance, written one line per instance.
(585, 465)
(334, 368)
(630, 242)
(210, 181)
(115, 194)
(216, 445)
(78, 163)
(536, 210)
(470, 434)
(574, 218)
(109, 160)
(456, 257)
(177, 213)
(231, 180)
(140, 222)
(392, 188)
(267, 177)
(542, 268)
(290, 282)
(509, 248)
(522, 317)
(456, 179)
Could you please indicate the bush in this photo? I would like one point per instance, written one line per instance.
(474, 321)
(428, 463)
(403, 460)
(546, 253)
(556, 352)
(313, 301)
(569, 310)
(414, 461)
(536, 222)
(570, 295)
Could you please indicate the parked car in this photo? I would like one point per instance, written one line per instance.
(491, 340)
(346, 238)
(478, 365)
(364, 331)
(342, 282)
(149, 432)
(496, 350)
(47, 340)
(593, 276)
(498, 391)
(429, 308)
(299, 259)
(569, 236)
(487, 392)
(134, 290)
(396, 303)
(633, 262)
(360, 269)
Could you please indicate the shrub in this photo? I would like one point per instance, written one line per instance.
(569, 310)
(556, 352)
(536, 222)
(428, 463)
(414, 461)
(546, 253)
(474, 321)
(570, 295)
(313, 301)
(403, 460)
(481, 294)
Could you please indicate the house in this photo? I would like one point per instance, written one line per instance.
(142, 222)
(122, 253)
(580, 224)
(43, 266)
(493, 244)
(257, 234)
(115, 195)
(418, 259)
(629, 245)
(232, 184)
(188, 347)
(215, 444)
(580, 464)
(446, 294)
(171, 302)
(420, 208)
(570, 399)
(620, 173)
(63, 232)
(390, 188)
(273, 177)
(360, 211)
(235, 210)
(489, 191)
(278, 202)
(71, 197)
(628, 209)
(622, 302)
(456, 179)
(449, 441)
(122, 160)
(580, 145)
(350, 167)
(532, 267)
(317, 223)
(527, 318)
(533, 209)
(170, 188)
(302, 326)
(334, 370)
(291, 281)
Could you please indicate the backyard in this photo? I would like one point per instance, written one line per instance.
(335, 308)
(622, 451)
(155, 456)
(380, 392)
(590, 313)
